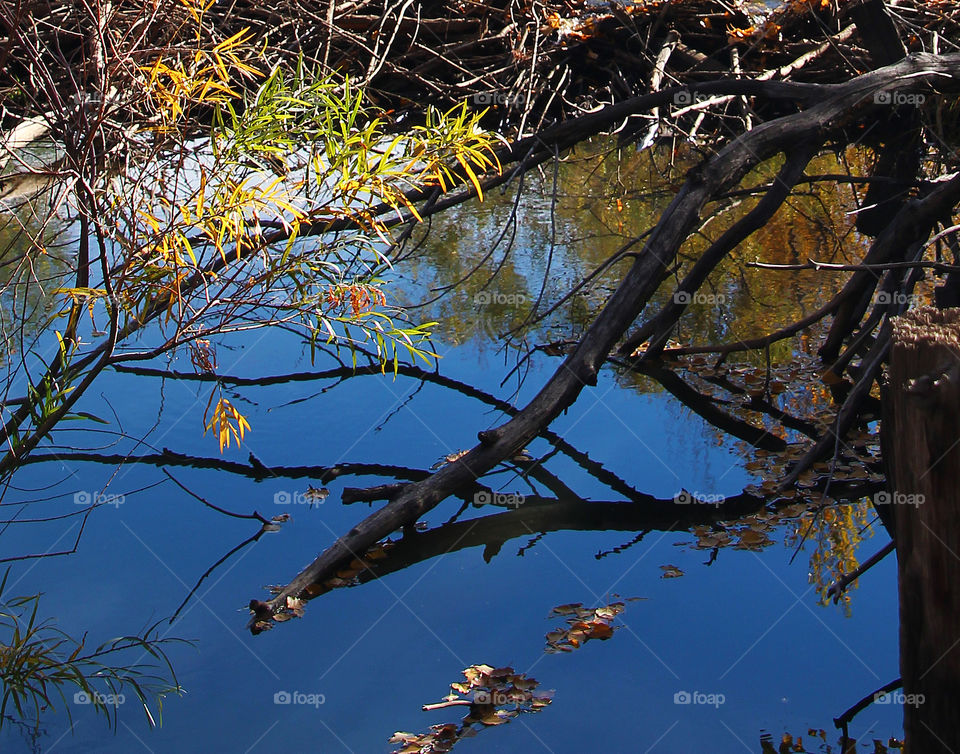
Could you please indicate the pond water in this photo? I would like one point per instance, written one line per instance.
(726, 650)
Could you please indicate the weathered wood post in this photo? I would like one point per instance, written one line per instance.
(923, 435)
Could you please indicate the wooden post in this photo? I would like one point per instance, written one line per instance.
(924, 493)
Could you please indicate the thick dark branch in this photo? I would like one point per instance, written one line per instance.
(718, 174)
(659, 327)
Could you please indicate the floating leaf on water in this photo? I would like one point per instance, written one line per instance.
(608, 612)
(450, 458)
(525, 684)
(599, 630)
(316, 494)
(793, 511)
(752, 538)
(670, 572)
(586, 624)
(494, 697)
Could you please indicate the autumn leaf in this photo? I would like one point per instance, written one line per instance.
(226, 422)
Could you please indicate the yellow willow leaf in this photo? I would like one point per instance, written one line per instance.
(152, 71)
(218, 240)
(232, 42)
(220, 91)
(152, 221)
(471, 176)
(413, 210)
(437, 175)
(236, 192)
(220, 422)
(200, 195)
(220, 67)
(297, 213)
(197, 8)
(244, 68)
(185, 243)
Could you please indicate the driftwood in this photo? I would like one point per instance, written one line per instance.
(713, 177)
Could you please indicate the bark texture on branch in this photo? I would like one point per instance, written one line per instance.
(925, 495)
(715, 176)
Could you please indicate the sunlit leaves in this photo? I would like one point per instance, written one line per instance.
(358, 297)
(225, 422)
(197, 8)
(175, 86)
(248, 201)
(454, 136)
(332, 161)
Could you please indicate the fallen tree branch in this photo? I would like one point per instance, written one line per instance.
(717, 174)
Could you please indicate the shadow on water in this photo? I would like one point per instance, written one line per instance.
(655, 485)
